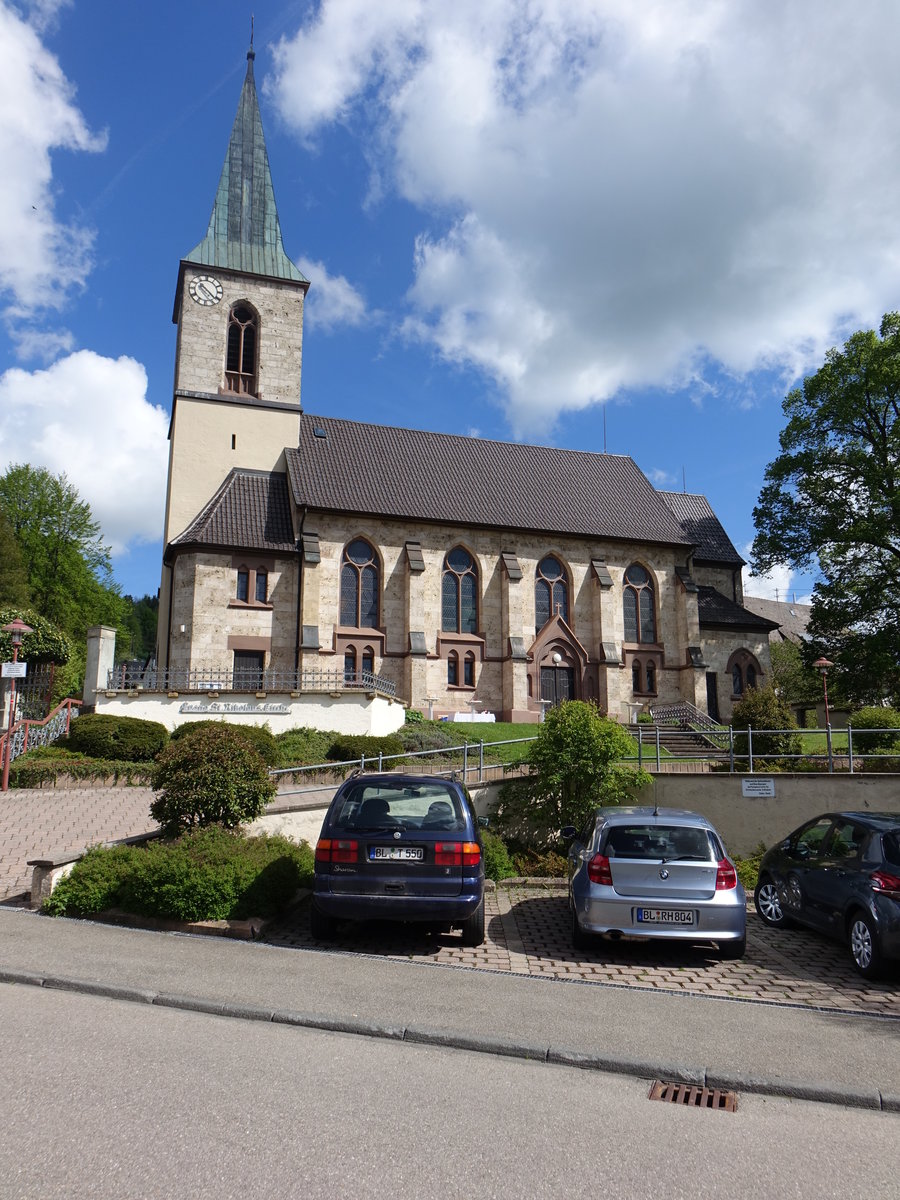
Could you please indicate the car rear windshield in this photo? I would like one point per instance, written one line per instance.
(427, 806)
(660, 841)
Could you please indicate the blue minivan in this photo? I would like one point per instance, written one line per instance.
(400, 848)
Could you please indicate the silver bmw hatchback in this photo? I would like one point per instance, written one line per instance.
(654, 873)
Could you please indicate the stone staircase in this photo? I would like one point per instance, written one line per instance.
(680, 743)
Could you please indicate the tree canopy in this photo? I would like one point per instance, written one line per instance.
(55, 567)
(831, 502)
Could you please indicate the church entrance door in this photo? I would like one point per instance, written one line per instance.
(557, 684)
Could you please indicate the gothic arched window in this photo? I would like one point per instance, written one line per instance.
(359, 586)
(241, 350)
(639, 605)
(459, 593)
(551, 592)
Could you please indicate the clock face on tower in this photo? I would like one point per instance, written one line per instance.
(205, 289)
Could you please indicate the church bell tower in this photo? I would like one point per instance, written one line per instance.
(239, 311)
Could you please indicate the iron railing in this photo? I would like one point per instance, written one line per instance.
(130, 677)
(27, 734)
(687, 717)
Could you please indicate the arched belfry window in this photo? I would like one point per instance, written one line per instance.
(241, 350)
(551, 592)
(459, 593)
(639, 605)
(359, 586)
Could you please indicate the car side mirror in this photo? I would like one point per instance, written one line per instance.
(568, 832)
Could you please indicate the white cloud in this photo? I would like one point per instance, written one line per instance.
(618, 195)
(41, 257)
(88, 416)
(332, 300)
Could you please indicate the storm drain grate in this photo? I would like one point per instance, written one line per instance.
(694, 1096)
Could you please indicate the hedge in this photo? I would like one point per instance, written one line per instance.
(101, 735)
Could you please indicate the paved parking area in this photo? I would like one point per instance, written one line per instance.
(528, 934)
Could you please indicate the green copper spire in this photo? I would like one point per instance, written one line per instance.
(244, 232)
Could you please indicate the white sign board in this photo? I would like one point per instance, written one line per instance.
(758, 787)
(14, 670)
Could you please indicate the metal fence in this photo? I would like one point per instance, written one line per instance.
(131, 677)
(476, 762)
(745, 750)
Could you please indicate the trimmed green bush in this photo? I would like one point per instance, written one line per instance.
(497, 861)
(427, 735)
(761, 710)
(213, 777)
(349, 746)
(412, 716)
(33, 772)
(884, 727)
(206, 875)
(748, 868)
(303, 747)
(260, 737)
(100, 735)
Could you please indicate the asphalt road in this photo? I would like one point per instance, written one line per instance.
(114, 1099)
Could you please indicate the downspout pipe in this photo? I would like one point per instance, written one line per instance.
(299, 593)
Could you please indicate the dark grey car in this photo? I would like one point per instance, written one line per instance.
(840, 874)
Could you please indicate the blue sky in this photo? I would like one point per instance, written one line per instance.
(564, 221)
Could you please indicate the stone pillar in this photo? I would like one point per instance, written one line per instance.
(101, 658)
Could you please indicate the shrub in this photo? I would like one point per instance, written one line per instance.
(413, 716)
(497, 861)
(32, 770)
(574, 767)
(260, 737)
(761, 709)
(540, 864)
(748, 868)
(884, 727)
(427, 735)
(93, 884)
(303, 747)
(208, 874)
(101, 735)
(348, 746)
(213, 777)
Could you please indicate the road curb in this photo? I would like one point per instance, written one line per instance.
(824, 1091)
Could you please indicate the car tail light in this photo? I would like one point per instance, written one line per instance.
(337, 850)
(598, 870)
(887, 884)
(726, 876)
(457, 854)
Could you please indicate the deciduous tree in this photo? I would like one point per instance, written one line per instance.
(831, 502)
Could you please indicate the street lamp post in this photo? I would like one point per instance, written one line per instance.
(16, 630)
(823, 666)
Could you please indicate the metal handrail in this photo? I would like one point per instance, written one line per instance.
(28, 733)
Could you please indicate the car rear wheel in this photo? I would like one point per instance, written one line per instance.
(580, 939)
(730, 950)
(473, 927)
(862, 938)
(768, 904)
(321, 926)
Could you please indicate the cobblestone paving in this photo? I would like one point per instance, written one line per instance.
(528, 933)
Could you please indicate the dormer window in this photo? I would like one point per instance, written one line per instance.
(241, 351)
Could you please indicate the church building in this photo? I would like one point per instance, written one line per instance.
(458, 574)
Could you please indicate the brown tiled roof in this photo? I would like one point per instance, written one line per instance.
(702, 527)
(412, 475)
(716, 611)
(791, 619)
(250, 511)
